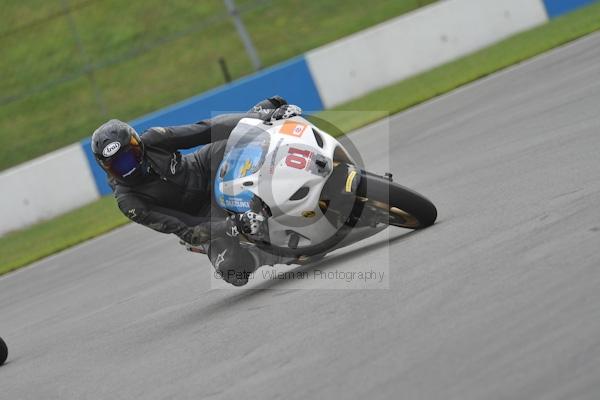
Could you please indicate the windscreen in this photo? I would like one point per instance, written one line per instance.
(245, 153)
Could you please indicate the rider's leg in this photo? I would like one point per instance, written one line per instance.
(231, 261)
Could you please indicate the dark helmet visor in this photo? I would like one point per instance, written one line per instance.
(126, 161)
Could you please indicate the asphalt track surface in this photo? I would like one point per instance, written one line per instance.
(499, 300)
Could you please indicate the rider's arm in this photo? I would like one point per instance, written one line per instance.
(189, 228)
(173, 138)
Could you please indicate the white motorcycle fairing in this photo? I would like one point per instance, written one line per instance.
(286, 165)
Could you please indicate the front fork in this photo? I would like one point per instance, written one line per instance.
(358, 184)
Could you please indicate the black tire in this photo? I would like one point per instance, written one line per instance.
(402, 206)
(3, 351)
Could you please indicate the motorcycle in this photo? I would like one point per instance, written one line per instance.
(312, 193)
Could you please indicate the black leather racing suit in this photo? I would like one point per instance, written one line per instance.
(175, 193)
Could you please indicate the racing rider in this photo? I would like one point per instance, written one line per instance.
(156, 186)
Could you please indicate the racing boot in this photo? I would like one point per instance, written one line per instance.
(233, 263)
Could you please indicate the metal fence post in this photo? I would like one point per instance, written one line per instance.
(239, 25)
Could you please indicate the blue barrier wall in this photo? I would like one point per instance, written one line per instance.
(97, 172)
(556, 8)
(291, 79)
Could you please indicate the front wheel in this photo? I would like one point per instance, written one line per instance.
(395, 204)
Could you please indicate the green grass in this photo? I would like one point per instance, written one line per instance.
(23, 247)
(146, 54)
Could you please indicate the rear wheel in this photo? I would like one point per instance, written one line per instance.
(396, 204)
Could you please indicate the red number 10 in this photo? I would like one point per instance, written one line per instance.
(297, 158)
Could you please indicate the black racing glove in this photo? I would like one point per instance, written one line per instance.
(268, 105)
(248, 223)
(251, 223)
(285, 112)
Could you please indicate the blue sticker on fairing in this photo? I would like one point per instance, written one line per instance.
(237, 163)
(239, 203)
